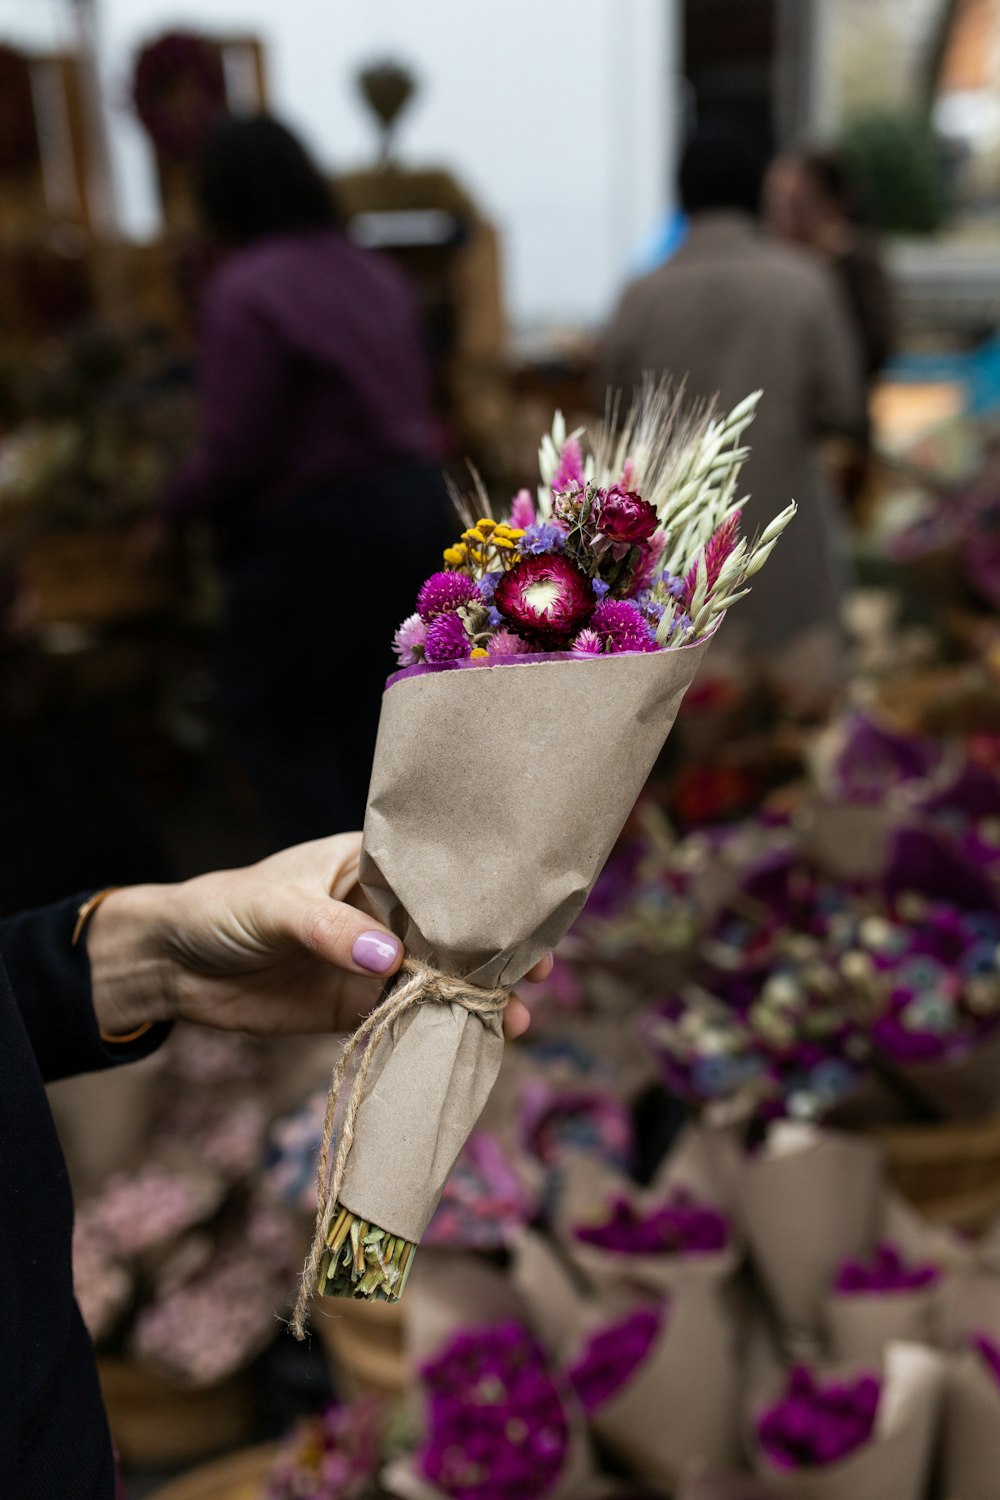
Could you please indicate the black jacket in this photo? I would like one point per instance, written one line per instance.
(54, 1442)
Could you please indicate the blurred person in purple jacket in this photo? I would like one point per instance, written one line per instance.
(316, 464)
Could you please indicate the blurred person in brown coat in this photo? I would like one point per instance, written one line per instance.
(731, 312)
(810, 199)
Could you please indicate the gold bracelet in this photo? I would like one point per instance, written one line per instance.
(83, 916)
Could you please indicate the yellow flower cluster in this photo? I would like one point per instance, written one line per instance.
(485, 547)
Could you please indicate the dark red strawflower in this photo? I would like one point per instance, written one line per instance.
(624, 516)
(548, 597)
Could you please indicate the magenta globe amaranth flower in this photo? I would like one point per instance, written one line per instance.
(549, 596)
(443, 593)
(621, 625)
(623, 516)
(447, 640)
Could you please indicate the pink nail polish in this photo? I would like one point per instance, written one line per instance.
(376, 951)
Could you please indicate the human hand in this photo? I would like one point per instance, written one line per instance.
(275, 947)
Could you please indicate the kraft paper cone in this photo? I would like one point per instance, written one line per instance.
(449, 1293)
(708, 1160)
(895, 1465)
(810, 1200)
(679, 1414)
(861, 1324)
(497, 795)
(556, 1299)
(724, 1487)
(587, 1192)
(970, 1303)
(965, 1089)
(970, 1448)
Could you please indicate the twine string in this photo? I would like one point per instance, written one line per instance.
(416, 984)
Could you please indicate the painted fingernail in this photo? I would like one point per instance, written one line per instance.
(376, 951)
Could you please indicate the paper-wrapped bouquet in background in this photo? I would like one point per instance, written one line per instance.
(539, 679)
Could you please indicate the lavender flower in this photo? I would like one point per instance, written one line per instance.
(885, 1272)
(543, 537)
(487, 586)
(447, 640)
(496, 1427)
(600, 588)
(408, 642)
(815, 1425)
(612, 1357)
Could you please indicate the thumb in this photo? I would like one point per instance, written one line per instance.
(343, 936)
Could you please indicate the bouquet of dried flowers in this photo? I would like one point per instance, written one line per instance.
(334, 1456)
(572, 626)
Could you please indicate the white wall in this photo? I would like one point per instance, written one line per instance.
(556, 113)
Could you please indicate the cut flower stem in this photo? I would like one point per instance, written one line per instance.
(364, 1261)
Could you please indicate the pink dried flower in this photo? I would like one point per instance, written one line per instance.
(621, 626)
(569, 475)
(408, 642)
(627, 480)
(506, 643)
(447, 640)
(718, 547)
(522, 510)
(548, 596)
(587, 643)
(443, 593)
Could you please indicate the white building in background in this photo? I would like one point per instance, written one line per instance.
(557, 114)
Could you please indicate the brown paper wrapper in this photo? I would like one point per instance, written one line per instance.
(587, 1191)
(860, 1325)
(810, 1200)
(679, 1414)
(450, 1292)
(970, 1448)
(496, 797)
(967, 1089)
(895, 1464)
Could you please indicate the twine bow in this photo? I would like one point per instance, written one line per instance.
(416, 984)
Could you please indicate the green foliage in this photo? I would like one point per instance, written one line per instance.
(899, 169)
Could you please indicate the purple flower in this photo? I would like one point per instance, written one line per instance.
(569, 475)
(587, 643)
(622, 627)
(989, 1352)
(556, 1123)
(612, 1357)
(680, 1226)
(814, 1425)
(447, 640)
(600, 588)
(487, 586)
(544, 537)
(443, 593)
(649, 560)
(522, 510)
(484, 1200)
(547, 596)
(506, 643)
(885, 1272)
(496, 1425)
(408, 642)
(623, 516)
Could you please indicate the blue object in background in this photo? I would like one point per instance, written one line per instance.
(664, 242)
(978, 371)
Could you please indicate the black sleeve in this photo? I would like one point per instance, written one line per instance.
(51, 984)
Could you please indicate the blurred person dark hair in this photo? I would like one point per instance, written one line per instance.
(721, 169)
(256, 179)
(811, 199)
(733, 311)
(317, 447)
